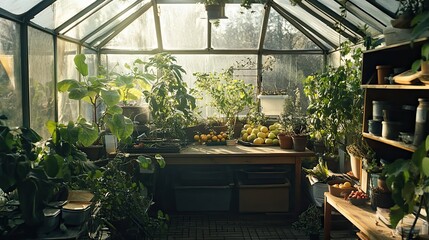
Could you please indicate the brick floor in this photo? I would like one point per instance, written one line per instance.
(234, 226)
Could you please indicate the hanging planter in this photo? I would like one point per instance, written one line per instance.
(216, 11)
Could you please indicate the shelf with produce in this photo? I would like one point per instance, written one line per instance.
(397, 144)
(395, 86)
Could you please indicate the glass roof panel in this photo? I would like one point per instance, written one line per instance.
(241, 30)
(189, 32)
(390, 5)
(97, 19)
(112, 24)
(369, 13)
(18, 7)
(59, 12)
(312, 22)
(282, 35)
(139, 35)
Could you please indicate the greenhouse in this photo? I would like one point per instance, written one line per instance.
(214, 119)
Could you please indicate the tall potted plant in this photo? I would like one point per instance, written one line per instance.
(98, 92)
(170, 101)
(228, 95)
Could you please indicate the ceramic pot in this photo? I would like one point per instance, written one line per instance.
(299, 142)
(356, 165)
(285, 141)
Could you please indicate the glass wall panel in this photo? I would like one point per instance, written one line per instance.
(59, 12)
(91, 60)
(41, 73)
(18, 7)
(68, 110)
(99, 18)
(281, 34)
(241, 30)
(10, 73)
(139, 35)
(390, 5)
(289, 71)
(190, 32)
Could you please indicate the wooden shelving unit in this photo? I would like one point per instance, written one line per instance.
(397, 144)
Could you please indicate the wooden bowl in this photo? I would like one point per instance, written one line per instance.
(339, 192)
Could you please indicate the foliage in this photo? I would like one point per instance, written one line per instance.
(228, 95)
(319, 173)
(424, 57)
(420, 24)
(335, 100)
(169, 100)
(131, 84)
(124, 201)
(309, 221)
(409, 7)
(293, 117)
(96, 91)
(408, 179)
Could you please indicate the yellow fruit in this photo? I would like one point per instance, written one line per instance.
(203, 137)
(243, 131)
(268, 141)
(272, 135)
(275, 141)
(214, 138)
(224, 135)
(196, 137)
(246, 126)
(251, 137)
(272, 127)
(264, 129)
(244, 137)
(249, 130)
(261, 135)
(219, 136)
(255, 131)
(258, 141)
(347, 185)
(222, 139)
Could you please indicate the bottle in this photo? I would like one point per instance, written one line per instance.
(421, 128)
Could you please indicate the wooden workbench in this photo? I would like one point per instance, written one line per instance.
(242, 155)
(363, 217)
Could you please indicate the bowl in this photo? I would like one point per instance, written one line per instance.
(337, 191)
(358, 201)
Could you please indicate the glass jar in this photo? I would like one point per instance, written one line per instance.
(421, 129)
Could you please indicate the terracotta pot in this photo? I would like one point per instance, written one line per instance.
(285, 141)
(299, 142)
(424, 65)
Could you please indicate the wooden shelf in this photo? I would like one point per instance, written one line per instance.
(395, 86)
(401, 145)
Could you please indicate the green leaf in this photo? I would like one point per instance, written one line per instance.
(78, 93)
(30, 203)
(416, 65)
(425, 166)
(88, 134)
(160, 160)
(114, 110)
(396, 214)
(120, 126)
(51, 165)
(81, 66)
(111, 97)
(51, 126)
(66, 85)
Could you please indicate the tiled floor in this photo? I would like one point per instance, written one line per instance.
(230, 226)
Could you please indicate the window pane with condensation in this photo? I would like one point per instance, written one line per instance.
(18, 7)
(242, 29)
(10, 73)
(68, 109)
(59, 12)
(190, 32)
(41, 74)
(139, 35)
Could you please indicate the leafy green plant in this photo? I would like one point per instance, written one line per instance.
(336, 100)
(228, 95)
(170, 102)
(309, 221)
(424, 57)
(131, 84)
(408, 179)
(420, 23)
(319, 173)
(96, 91)
(293, 117)
(124, 201)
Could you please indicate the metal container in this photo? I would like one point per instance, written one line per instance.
(421, 129)
(51, 219)
(76, 213)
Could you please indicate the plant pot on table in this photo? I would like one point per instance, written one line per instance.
(285, 141)
(299, 142)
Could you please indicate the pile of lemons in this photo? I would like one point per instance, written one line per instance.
(211, 136)
(261, 134)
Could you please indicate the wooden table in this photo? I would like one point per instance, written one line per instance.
(363, 217)
(238, 154)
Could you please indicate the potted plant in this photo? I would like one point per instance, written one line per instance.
(309, 222)
(97, 91)
(408, 179)
(406, 11)
(125, 203)
(228, 95)
(423, 63)
(170, 101)
(336, 101)
(318, 176)
(130, 86)
(215, 9)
